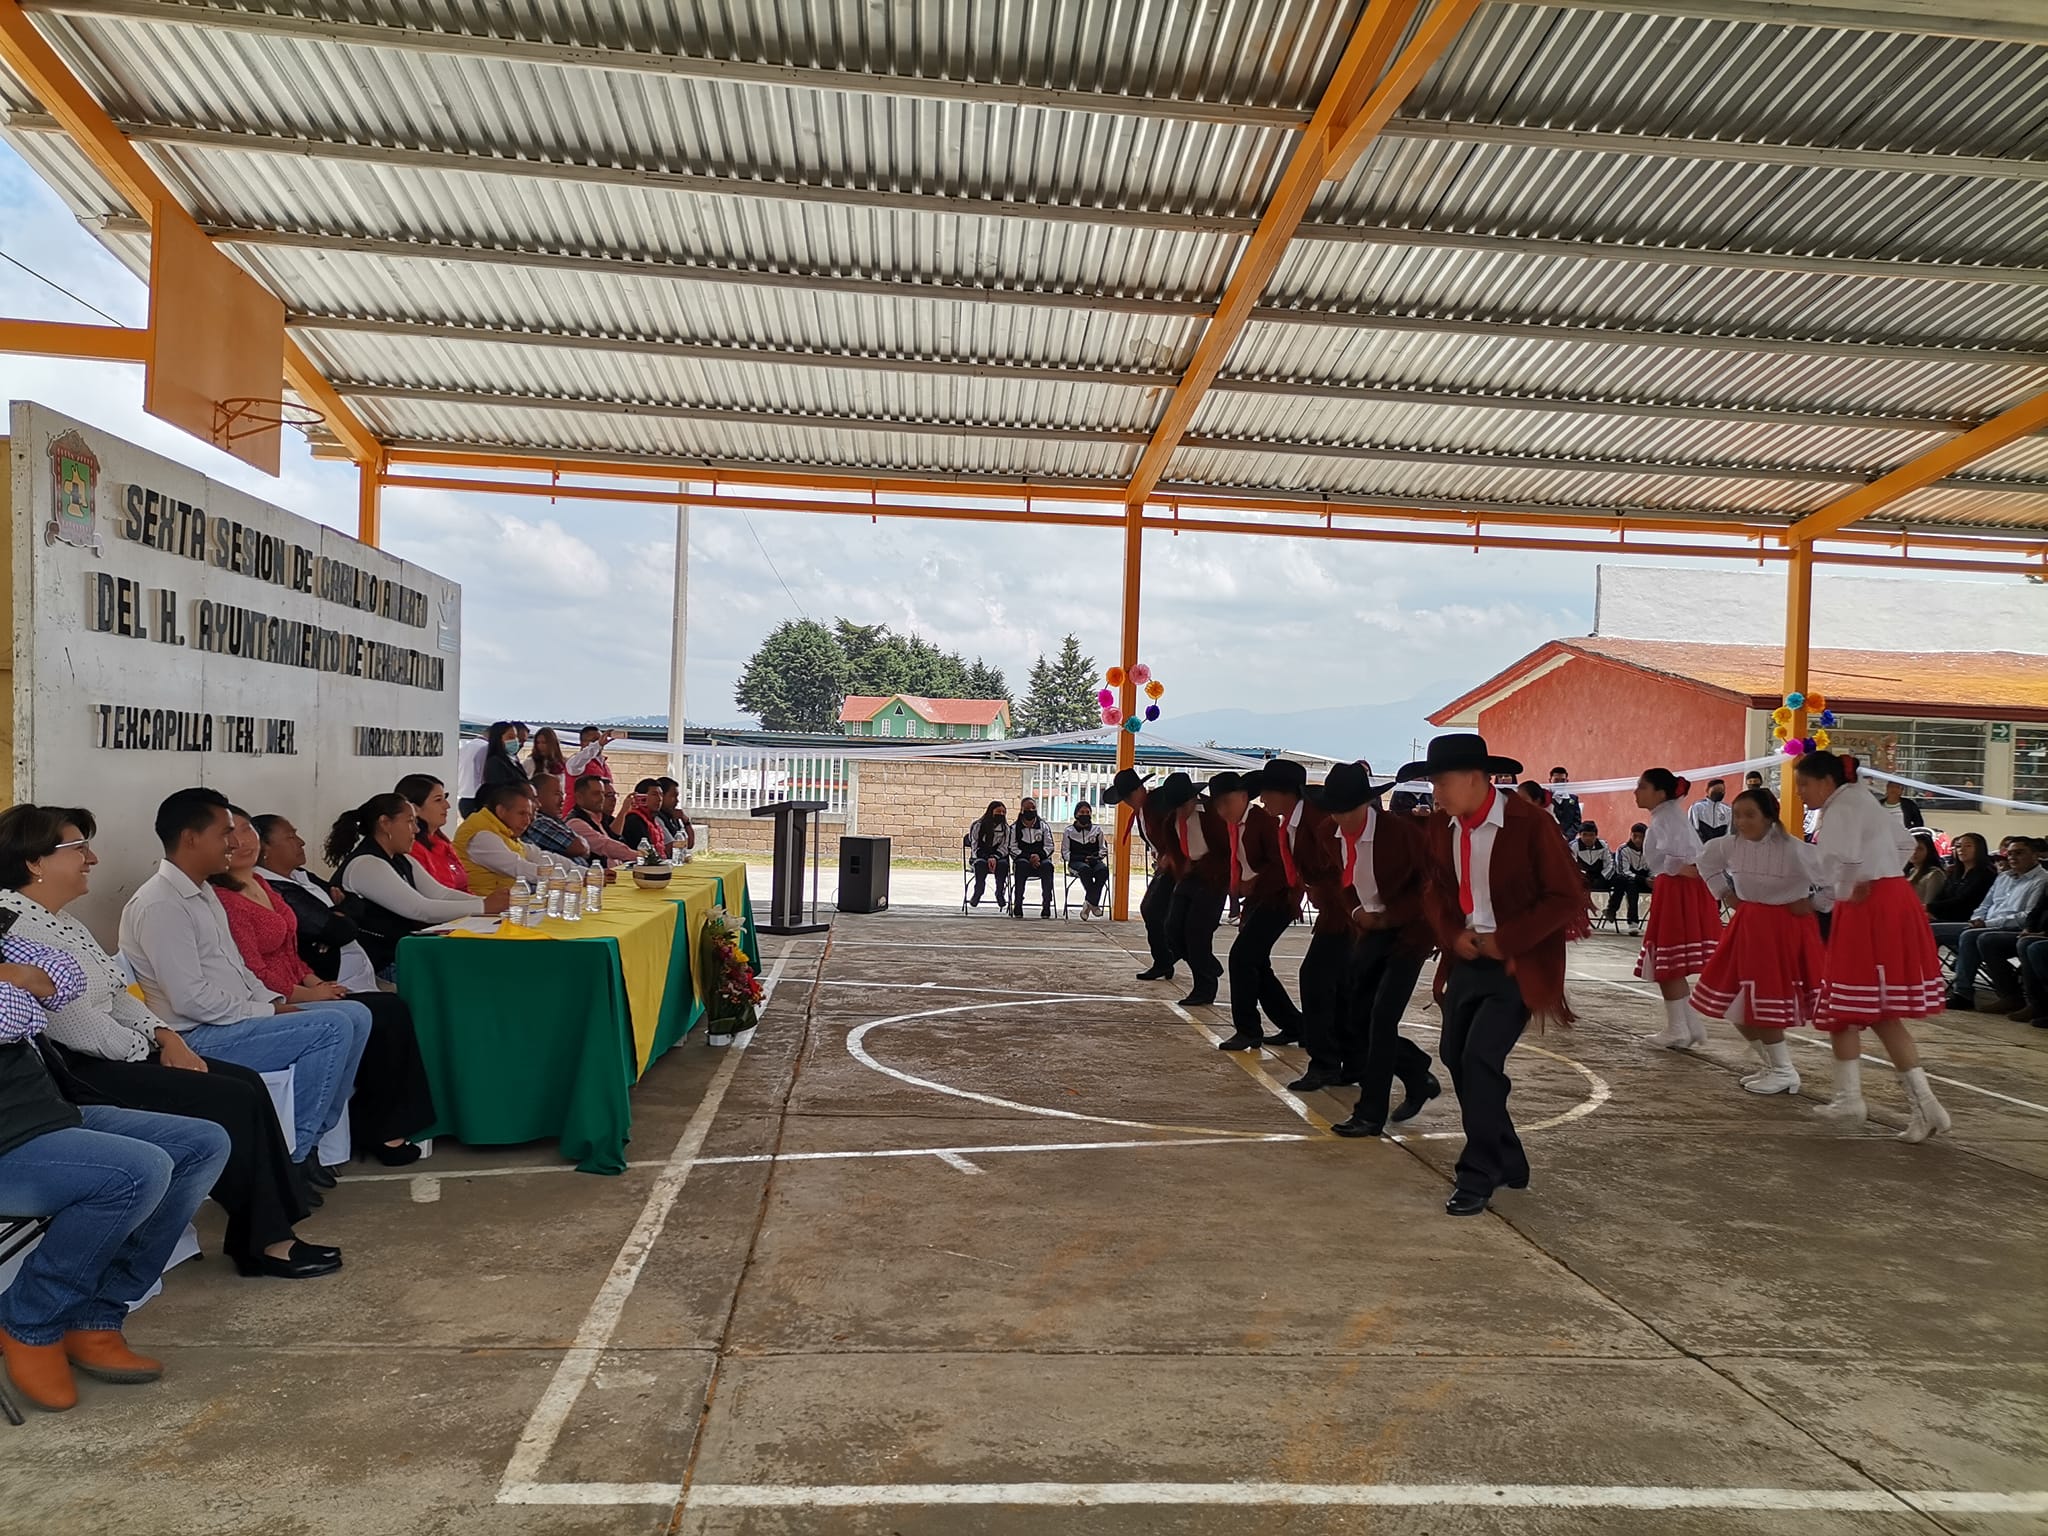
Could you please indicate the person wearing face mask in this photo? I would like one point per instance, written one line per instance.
(1083, 849)
(989, 841)
(503, 743)
(476, 757)
(1031, 857)
(1710, 818)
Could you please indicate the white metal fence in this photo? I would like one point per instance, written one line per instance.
(1059, 787)
(732, 782)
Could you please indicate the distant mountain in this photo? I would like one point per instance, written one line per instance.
(1383, 734)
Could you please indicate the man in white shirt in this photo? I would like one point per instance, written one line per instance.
(175, 936)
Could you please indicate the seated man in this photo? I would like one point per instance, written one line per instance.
(492, 843)
(119, 1187)
(551, 834)
(1595, 861)
(1565, 806)
(1990, 940)
(591, 816)
(682, 832)
(1628, 875)
(1031, 858)
(1083, 849)
(175, 935)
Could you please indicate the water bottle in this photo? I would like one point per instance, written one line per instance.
(554, 894)
(515, 913)
(572, 903)
(593, 889)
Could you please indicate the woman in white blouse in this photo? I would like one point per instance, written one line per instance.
(1685, 921)
(371, 850)
(1882, 968)
(1765, 975)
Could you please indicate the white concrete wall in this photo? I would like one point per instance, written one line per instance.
(63, 667)
(1870, 613)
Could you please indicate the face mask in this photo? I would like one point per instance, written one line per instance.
(511, 749)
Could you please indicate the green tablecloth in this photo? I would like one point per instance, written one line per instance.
(534, 1038)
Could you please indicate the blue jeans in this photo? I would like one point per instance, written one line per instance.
(120, 1189)
(322, 1042)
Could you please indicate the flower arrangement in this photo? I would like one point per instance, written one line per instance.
(734, 995)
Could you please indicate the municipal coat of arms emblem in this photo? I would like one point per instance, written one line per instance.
(74, 494)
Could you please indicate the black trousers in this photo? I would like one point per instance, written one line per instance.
(1635, 887)
(1093, 875)
(1254, 984)
(1191, 919)
(1153, 909)
(257, 1187)
(1377, 990)
(1324, 971)
(393, 1099)
(1021, 872)
(994, 864)
(1484, 1016)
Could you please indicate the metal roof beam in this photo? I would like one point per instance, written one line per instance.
(959, 430)
(520, 50)
(1997, 21)
(1123, 378)
(1898, 162)
(944, 205)
(1929, 468)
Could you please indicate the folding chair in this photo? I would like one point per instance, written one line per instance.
(1002, 881)
(16, 1234)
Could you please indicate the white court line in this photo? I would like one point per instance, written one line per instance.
(1636, 989)
(955, 1160)
(1102, 951)
(933, 986)
(1257, 1074)
(1561, 1496)
(579, 1362)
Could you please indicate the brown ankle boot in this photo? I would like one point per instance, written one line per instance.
(40, 1373)
(103, 1353)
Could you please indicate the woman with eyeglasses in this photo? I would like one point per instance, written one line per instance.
(129, 1057)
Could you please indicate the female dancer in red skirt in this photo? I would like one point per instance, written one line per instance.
(1765, 975)
(1685, 921)
(1881, 964)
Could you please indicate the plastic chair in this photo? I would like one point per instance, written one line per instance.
(16, 1234)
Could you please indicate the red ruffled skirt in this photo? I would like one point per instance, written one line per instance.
(1684, 928)
(1772, 960)
(1881, 960)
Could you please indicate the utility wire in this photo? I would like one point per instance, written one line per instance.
(799, 607)
(51, 282)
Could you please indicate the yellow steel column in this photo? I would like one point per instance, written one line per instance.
(369, 494)
(1127, 658)
(1798, 638)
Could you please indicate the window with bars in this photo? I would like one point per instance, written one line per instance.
(2030, 762)
(1946, 752)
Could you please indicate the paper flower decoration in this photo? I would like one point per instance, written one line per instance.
(1792, 749)
(1151, 711)
(1111, 715)
(1114, 677)
(1794, 700)
(1134, 725)
(1105, 698)
(1782, 715)
(1141, 674)
(1820, 741)
(1827, 717)
(1815, 704)
(1781, 732)
(1155, 689)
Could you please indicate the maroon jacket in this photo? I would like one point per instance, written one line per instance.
(1164, 837)
(1539, 903)
(1213, 867)
(1318, 864)
(1268, 885)
(1400, 862)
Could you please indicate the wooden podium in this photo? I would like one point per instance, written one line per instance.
(793, 820)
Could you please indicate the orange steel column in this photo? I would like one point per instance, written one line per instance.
(1798, 643)
(1127, 658)
(369, 501)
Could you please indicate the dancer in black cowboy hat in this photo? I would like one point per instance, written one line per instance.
(1201, 846)
(1130, 787)
(1307, 851)
(1269, 905)
(1385, 863)
(1504, 896)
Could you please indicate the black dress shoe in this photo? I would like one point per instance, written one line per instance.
(1315, 1078)
(1518, 1181)
(1464, 1202)
(1241, 1042)
(1418, 1095)
(303, 1263)
(1157, 973)
(403, 1155)
(1954, 1004)
(318, 1174)
(322, 1250)
(1199, 999)
(1285, 1037)
(1357, 1127)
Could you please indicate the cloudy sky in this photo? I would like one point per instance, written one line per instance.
(566, 607)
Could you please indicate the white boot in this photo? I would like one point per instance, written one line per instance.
(1847, 1104)
(1695, 1026)
(1676, 1034)
(1778, 1075)
(1928, 1117)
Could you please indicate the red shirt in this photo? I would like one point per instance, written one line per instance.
(268, 938)
(436, 855)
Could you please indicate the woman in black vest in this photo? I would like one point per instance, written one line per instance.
(990, 839)
(371, 850)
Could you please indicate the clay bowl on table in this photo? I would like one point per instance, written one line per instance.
(652, 877)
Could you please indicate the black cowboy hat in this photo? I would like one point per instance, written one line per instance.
(1126, 780)
(1346, 787)
(1228, 782)
(1283, 774)
(1461, 751)
(1174, 791)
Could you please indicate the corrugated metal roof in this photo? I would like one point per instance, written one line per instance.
(979, 237)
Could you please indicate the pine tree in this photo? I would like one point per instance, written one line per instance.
(986, 682)
(1061, 694)
(797, 680)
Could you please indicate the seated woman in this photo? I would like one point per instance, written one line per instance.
(126, 1056)
(1084, 851)
(431, 846)
(1031, 857)
(118, 1186)
(327, 935)
(989, 838)
(370, 848)
(639, 819)
(1925, 869)
(392, 1101)
(1967, 884)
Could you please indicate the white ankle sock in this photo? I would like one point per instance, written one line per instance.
(1780, 1055)
(1849, 1078)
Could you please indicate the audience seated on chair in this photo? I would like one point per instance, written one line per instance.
(1086, 855)
(1595, 860)
(1925, 869)
(1990, 939)
(370, 848)
(988, 846)
(1628, 874)
(126, 1056)
(1031, 857)
(1968, 883)
(432, 849)
(492, 842)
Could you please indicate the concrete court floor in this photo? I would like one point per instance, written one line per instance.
(1700, 1290)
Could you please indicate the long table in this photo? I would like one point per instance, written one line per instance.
(541, 1033)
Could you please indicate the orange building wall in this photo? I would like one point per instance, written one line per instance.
(1603, 722)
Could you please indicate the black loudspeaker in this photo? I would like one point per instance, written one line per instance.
(863, 874)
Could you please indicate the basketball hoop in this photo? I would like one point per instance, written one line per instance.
(236, 419)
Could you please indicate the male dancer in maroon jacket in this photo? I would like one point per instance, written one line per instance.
(1129, 786)
(1504, 896)
(1201, 846)
(1306, 844)
(1269, 906)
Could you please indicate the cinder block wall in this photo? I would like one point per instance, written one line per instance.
(924, 808)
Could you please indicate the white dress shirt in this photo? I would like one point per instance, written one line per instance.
(469, 768)
(1672, 842)
(1480, 919)
(1775, 870)
(356, 973)
(176, 936)
(1861, 838)
(516, 862)
(1363, 878)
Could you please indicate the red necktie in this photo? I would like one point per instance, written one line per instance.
(1287, 857)
(1236, 838)
(1467, 825)
(1351, 840)
(1184, 840)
